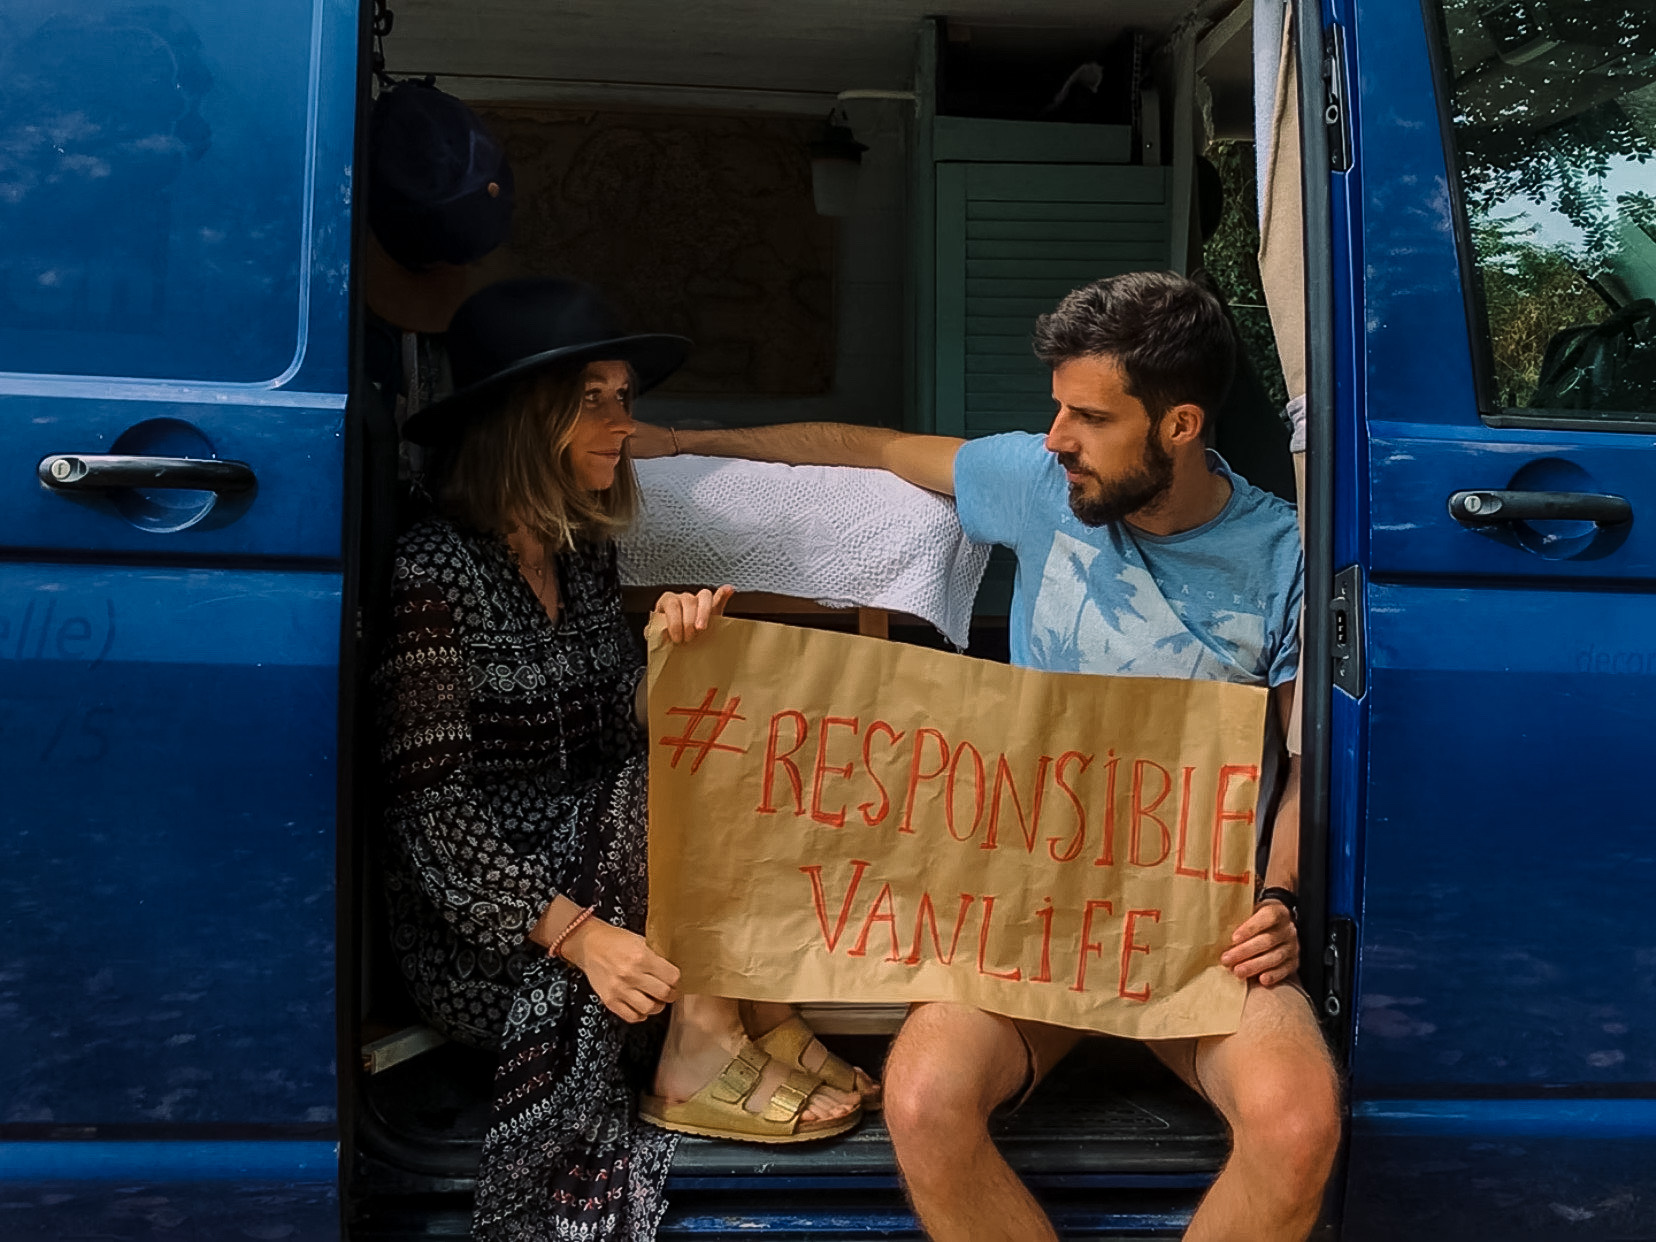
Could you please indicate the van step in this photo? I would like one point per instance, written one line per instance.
(838, 1220)
(1071, 1127)
(1104, 1217)
(1110, 1119)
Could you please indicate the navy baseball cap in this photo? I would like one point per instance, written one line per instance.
(439, 186)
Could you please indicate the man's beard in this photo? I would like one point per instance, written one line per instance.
(1127, 493)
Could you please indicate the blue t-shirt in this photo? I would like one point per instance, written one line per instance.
(1217, 603)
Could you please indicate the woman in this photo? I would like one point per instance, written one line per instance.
(512, 702)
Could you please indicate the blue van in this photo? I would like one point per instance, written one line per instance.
(195, 514)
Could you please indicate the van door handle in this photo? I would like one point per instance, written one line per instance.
(94, 472)
(1491, 508)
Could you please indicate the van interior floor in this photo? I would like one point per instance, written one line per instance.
(1112, 1143)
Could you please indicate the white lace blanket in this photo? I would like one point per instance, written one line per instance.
(844, 537)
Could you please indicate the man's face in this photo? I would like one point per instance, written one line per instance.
(1113, 457)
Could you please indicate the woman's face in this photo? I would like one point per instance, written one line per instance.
(605, 423)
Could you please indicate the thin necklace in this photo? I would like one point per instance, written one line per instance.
(541, 568)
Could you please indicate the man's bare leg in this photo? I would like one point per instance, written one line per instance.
(1275, 1086)
(949, 1067)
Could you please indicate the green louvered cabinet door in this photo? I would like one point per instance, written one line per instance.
(1011, 240)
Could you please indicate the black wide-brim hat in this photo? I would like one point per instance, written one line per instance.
(510, 331)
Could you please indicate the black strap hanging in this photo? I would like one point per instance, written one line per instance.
(380, 26)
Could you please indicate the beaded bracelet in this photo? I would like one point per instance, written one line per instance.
(674, 434)
(558, 943)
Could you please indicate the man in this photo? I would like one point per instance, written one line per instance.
(1139, 553)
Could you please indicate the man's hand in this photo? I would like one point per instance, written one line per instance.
(1266, 947)
(648, 440)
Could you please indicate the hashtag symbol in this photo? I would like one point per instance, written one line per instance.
(688, 740)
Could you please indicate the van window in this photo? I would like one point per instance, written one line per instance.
(1552, 115)
(153, 180)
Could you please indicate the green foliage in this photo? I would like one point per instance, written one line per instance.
(1565, 165)
(1231, 257)
(1550, 128)
(1531, 292)
(1553, 110)
(1640, 208)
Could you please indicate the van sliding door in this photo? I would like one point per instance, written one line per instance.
(1496, 480)
(174, 203)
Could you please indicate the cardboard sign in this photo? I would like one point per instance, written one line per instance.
(843, 818)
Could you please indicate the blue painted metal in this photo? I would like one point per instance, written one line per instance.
(1561, 1119)
(172, 1160)
(1503, 851)
(780, 1184)
(1350, 492)
(297, 453)
(1415, 467)
(1504, 899)
(897, 1223)
(170, 1210)
(169, 701)
(167, 875)
(182, 222)
(1518, 1170)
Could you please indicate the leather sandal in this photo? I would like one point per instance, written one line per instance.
(719, 1109)
(791, 1039)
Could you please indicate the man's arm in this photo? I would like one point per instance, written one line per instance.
(1267, 946)
(1282, 866)
(925, 461)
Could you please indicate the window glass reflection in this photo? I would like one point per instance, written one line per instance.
(152, 176)
(1554, 121)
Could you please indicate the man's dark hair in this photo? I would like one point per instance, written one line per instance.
(1170, 337)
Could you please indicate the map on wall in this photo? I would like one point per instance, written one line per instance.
(697, 224)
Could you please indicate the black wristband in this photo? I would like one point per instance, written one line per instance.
(1284, 895)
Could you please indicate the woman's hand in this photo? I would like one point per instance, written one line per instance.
(687, 615)
(632, 979)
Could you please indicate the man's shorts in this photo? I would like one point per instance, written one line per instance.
(1044, 1046)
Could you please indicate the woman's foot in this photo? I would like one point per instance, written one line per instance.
(759, 1018)
(703, 1036)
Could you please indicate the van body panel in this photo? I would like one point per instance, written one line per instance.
(187, 224)
(1507, 874)
(296, 452)
(169, 877)
(1415, 469)
(1499, 1075)
(174, 284)
(163, 1204)
(1484, 1174)
(1340, 454)
(170, 703)
(170, 1191)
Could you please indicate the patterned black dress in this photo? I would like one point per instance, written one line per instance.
(516, 770)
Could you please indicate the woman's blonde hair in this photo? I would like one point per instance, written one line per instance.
(512, 469)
